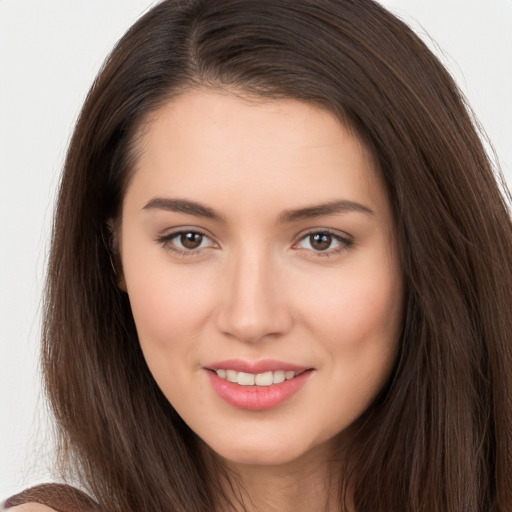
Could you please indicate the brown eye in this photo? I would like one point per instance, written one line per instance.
(191, 240)
(323, 243)
(186, 243)
(320, 241)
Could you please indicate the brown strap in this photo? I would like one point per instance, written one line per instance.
(62, 498)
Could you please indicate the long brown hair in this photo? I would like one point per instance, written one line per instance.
(439, 435)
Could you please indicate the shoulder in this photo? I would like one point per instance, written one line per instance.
(31, 507)
(51, 498)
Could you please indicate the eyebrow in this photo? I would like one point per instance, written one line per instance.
(320, 210)
(308, 212)
(183, 206)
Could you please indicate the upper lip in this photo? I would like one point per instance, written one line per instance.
(262, 366)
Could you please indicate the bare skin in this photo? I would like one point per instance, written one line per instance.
(256, 230)
(301, 486)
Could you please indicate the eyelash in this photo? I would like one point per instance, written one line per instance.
(343, 242)
(167, 242)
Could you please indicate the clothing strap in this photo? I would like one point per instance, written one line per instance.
(60, 497)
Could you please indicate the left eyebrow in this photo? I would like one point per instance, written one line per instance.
(320, 210)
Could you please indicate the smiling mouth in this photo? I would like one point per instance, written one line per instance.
(262, 386)
(257, 379)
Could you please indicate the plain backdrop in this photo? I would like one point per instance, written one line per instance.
(49, 54)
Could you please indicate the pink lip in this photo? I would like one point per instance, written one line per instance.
(256, 398)
(265, 365)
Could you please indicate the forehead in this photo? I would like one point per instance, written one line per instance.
(213, 145)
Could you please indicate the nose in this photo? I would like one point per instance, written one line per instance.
(254, 304)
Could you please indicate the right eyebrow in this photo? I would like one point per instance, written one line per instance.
(183, 206)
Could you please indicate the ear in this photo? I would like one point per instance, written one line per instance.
(114, 253)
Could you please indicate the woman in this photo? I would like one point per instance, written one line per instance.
(280, 276)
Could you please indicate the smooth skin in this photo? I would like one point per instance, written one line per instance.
(257, 229)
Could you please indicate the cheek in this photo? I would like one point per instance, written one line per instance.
(170, 304)
(170, 311)
(358, 323)
(363, 308)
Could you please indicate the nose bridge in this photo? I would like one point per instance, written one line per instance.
(254, 305)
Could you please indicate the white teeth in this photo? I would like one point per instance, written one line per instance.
(279, 376)
(231, 375)
(264, 379)
(260, 379)
(245, 379)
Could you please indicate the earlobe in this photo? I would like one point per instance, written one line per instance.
(114, 254)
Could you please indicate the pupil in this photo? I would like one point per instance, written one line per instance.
(321, 241)
(191, 240)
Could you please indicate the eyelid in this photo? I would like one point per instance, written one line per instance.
(345, 241)
(166, 240)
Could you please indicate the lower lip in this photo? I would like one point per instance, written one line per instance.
(257, 398)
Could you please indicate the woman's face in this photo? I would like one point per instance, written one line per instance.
(259, 256)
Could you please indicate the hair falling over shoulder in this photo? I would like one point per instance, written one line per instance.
(439, 435)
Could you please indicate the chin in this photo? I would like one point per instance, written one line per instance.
(259, 457)
(270, 452)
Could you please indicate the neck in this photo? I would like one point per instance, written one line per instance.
(305, 484)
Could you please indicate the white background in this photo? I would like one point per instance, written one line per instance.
(49, 54)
